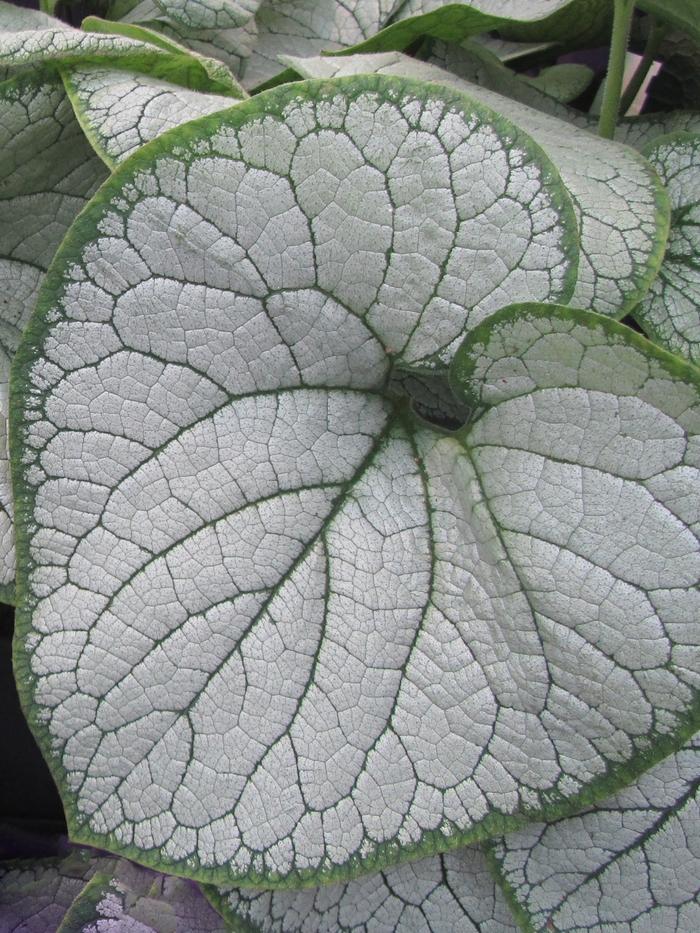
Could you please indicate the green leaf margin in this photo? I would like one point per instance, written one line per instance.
(85, 228)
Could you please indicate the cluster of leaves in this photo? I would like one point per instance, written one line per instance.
(352, 536)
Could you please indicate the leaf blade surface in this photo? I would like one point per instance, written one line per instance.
(287, 595)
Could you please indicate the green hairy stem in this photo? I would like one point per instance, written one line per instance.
(616, 67)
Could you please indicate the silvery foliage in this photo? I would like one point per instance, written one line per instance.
(346, 533)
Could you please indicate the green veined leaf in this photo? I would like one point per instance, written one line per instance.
(671, 311)
(455, 891)
(218, 71)
(263, 263)
(288, 601)
(123, 897)
(14, 19)
(630, 863)
(622, 207)
(526, 20)
(121, 111)
(27, 50)
(563, 82)
(683, 14)
(47, 173)
(36, 894)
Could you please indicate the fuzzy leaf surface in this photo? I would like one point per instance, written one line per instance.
(671, 311)
(455, 891)
(564, 82)
(631, 863)
(47, 174)
(622, 209)
(60, 45)
(232, 46)
(260, 600)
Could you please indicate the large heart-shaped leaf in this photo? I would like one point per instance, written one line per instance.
(671, 311)
(47, 173)
(622, 208)
(443, 892)
(272, 626)
(630, 863)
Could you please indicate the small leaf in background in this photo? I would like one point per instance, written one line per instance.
(681, 14)
(307, 27)
(185, 66)
(24, 51)
(523, 20)
(630, 863)
(563, 82)
(196, 15)
(232, 46)
(507, 51)
(126, 898)
(36, 894)
(91, 892)
(671, 311)
(455, 891)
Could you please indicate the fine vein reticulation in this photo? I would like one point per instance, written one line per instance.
(273, 625)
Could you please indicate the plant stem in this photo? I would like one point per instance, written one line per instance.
(622, 20)
(657, 31)
(47, 6)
